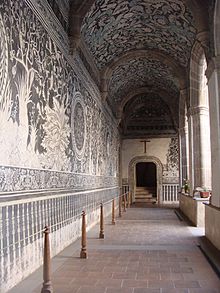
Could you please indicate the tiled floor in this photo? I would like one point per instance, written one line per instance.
(148, 250)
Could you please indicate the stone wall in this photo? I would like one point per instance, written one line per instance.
(59, 144)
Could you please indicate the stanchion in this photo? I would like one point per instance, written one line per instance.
(101, 233)
(83, 252)
(113, 212)
(124, 198)
(129, 200)
(47, 285)
(119, 206)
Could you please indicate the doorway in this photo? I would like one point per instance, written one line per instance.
(146, 182)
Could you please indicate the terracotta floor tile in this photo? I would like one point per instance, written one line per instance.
(160, 284)
(146, 290)
(186, 284)
(119, 290)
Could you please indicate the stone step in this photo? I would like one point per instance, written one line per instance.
(150, 195)
(146, 188)
(146, 200)
(144, 192)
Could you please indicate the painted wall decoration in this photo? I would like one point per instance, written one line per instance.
(61, 10)
(112, 27)
(147, 114)
(140, 72)
(171, 169)
(48, 118)
(78, 122)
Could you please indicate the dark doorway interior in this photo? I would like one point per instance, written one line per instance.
(146, 174)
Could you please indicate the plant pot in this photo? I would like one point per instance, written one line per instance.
(204, 194)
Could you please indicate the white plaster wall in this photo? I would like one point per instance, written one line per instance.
(131, 148)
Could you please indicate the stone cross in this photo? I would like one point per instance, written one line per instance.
(145, 145)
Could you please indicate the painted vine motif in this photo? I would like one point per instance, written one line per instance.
(172, 167)
(37, 86)
(112, 27)
(140, 72)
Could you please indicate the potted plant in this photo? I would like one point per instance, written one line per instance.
(205, 192)
(186, 185)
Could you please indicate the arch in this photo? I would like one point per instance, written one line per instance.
(132, 174)
(199, 124)
(197, 73)
(171, 101)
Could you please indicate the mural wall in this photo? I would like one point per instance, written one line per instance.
(48, 119)
(58, 144)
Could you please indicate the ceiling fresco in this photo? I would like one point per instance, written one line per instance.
(113, 27)
(147, 114)
(141, 72)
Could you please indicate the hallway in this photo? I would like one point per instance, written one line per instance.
(148, 250)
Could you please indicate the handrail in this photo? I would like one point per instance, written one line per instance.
(71, 219)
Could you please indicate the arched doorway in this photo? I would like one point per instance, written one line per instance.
(146, 174)
(135, 167)
(146, 182)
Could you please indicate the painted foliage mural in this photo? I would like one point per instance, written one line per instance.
(140, 72)
(114, 27)
(148, 114)
(48, 120)
(171, 169)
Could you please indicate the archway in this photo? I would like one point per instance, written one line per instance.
(146, 182)
(199, 122)
(132, 178)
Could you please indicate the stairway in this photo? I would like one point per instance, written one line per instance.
(145, 195)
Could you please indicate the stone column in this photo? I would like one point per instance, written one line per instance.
(212, 211)
(191, 151)
(200, 141)
(183, 137)
(184, 153)
(213, 75)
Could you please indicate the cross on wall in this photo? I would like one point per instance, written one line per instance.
(145, 145)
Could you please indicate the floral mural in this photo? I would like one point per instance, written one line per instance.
(112, 27)
(141, 72)
(147, 114)
(37, 121)
(171, 169)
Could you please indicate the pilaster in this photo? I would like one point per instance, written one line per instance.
(213, 76)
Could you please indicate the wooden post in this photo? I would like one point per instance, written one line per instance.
(113, 211)
(47, 285)
(129, 200)
(124, 198)
(119, 206)
(101, 233)
(83, 253)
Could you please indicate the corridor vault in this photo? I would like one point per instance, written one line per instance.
(83, 83)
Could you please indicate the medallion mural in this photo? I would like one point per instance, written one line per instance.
(48, 118)
(112, 27)
(78, 121)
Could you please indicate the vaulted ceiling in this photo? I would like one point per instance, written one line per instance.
(142, 50)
